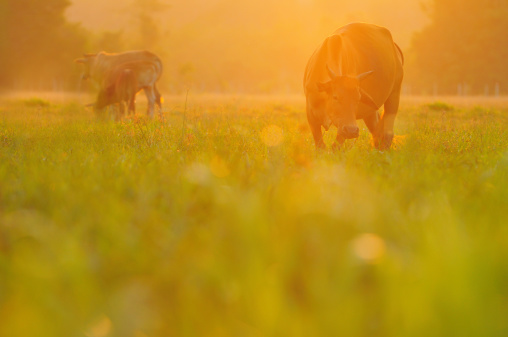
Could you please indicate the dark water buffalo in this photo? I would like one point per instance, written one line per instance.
(104, 68)
(122, 91)
(350, 76)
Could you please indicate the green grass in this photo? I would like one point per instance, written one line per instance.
(193, 226)
(440, 106)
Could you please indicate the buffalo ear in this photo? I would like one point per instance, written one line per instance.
(367, 99)
(326, 87)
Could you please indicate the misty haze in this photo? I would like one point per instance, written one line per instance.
(218, 168)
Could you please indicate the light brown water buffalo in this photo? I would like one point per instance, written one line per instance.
(350, 76)
(103, 68)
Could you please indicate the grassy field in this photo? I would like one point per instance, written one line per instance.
(220, 219)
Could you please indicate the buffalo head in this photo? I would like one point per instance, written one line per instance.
(87, 61)
(344, 96)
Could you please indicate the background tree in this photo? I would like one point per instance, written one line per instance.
(38, 44)
(465, 45)
(108, 41)
(148, 33)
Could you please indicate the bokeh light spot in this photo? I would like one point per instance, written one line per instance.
(369, 247)
(101, 328)
(198, 174)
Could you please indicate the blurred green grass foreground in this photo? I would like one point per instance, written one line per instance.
(220, 219)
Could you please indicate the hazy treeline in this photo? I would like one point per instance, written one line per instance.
(36, 43)
(465, 48)
(250, 45)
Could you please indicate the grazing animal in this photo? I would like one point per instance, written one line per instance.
(350, 76)
(123, 90)
(104, 68)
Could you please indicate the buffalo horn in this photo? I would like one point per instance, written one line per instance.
(330, 72)
(364, 75)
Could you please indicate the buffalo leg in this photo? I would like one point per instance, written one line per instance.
(384, 134)
(132, 105)
(317, 134)
(375, 125)
(150, 96)
(121, 111)
(315, 127)
(158, 100)
(372, 122)
(339, 141)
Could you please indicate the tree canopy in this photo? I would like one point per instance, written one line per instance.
(38, 44)
(465, 46)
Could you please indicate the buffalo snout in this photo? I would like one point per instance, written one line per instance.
(350, 131)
